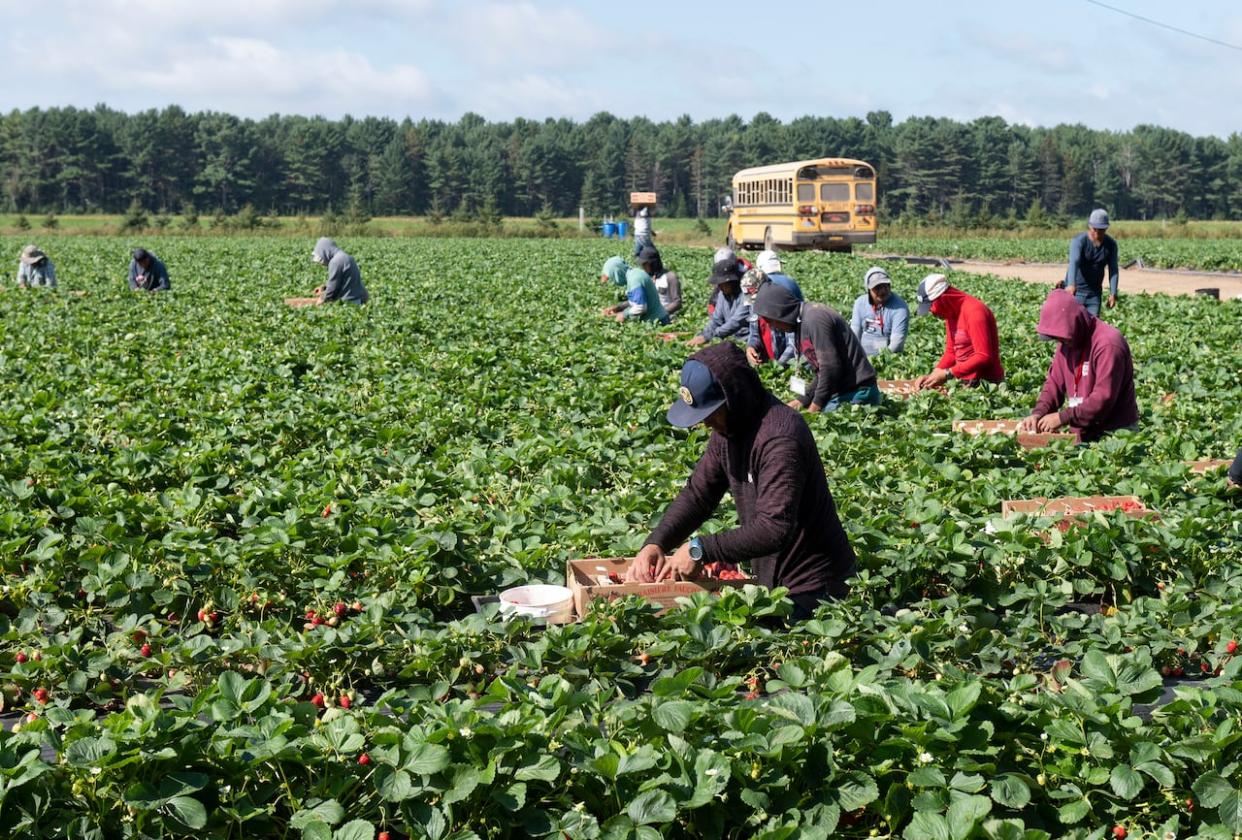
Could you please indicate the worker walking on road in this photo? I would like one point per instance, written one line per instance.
(1090, 254)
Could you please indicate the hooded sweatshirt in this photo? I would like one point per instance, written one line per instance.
(1092, 370)
(729, 315)
(640, 291)
(151, 279)
(823, 339)
(1235, 469)
(779, 346)
(971, 343)
(344, 279)
(788, 526)
(881, 327)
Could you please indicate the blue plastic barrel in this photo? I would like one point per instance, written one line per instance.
(610, 230)
(622, 227)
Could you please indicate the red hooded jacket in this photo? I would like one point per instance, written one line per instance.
(1093, 369)
(971, 343)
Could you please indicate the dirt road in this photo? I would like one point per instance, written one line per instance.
(1132, 280)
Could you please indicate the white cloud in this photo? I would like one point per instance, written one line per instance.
(529, 36)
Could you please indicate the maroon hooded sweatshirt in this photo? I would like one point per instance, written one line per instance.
(788, 526)
(1092, 371)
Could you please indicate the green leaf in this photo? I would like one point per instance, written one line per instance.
(856, 790)
(1011, 791)
(1231, 811)
(652, 807)
(355, 830)
(393, 785)
(512, 798)
(797, 707)
(1125, 781)
(1211, 789)
(1072, 812)
(328, 811)
(546, 769)
(86, 752)
(673, 715)
(965, 812)
(188, 811)
(925, 825)
(963, 699)
(426, 759)
(927, 777)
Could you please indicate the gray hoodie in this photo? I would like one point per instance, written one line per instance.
(824, 340)
(344, 279)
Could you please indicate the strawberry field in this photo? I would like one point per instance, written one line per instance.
(239, 543)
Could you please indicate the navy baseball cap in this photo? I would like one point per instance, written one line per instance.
(701, 395)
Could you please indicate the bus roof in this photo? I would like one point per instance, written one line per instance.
(791, 168)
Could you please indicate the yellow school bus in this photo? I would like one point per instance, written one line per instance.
(827, 203)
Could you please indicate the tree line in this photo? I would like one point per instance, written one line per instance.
(72, 160)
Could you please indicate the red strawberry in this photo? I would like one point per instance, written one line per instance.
(316, 621)
(364, 759)
(1232, 646)
(40, 695)
(318, 700)
(21, 658)
(202, 616)
(1204, 667)
(345, 702)
(1119, 832)
(339, 608)
(145, 650)
(383, 835)
(215, 616)
(327, 510)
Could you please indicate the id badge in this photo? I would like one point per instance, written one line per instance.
(1074, 402)
(798, 385)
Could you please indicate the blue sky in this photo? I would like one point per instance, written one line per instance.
(1038, 63)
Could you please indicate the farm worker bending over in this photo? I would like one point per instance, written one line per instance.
(147, 273)
(971, 344)
(842, 373)
(642, 229)
(1092, 373)
(1235, 471)
(34, 269)
(764, 343)
(642, 301)
(667, 283)
(1090, 254)
(722, 254)
(344, 279)
(880, 318)
(761, 452)
(730, 317)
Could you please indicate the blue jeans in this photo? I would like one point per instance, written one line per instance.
(1089, 299)
(639, 242)
(866, 395)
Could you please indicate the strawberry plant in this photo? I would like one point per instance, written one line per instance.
(238, 545)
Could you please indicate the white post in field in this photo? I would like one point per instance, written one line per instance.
(581, 219)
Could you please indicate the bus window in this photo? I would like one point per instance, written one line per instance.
(834, 192)
(864, 192)
(806, 192)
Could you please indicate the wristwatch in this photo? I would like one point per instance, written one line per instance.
(696, 549)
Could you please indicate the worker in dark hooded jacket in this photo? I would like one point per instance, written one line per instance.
(147, 272)
(1234, 478)
(1092, 373)
(842, 373)
(344, 279)
(763, 453)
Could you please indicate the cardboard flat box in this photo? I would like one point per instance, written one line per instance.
(1075, 505)
(1208, 465)
(588, 579)
(900, 387)
(1028, 440)
(641, 198)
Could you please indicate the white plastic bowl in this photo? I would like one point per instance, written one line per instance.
(554, 604)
